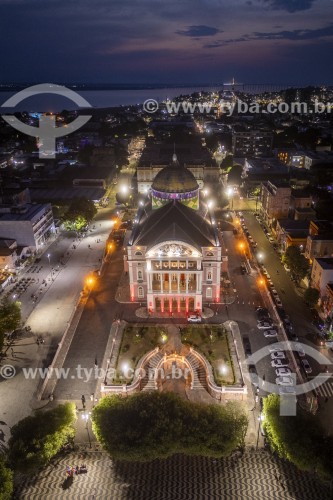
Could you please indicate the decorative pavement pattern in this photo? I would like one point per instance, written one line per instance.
(256, 475)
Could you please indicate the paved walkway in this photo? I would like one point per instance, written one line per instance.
(255, 476)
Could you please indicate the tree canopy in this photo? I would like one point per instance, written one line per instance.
(146, 426)
(297, 263)
(6, 480)
(300, 439)
(36, 439)
(10, 318)
(311, 296)
(80, 212)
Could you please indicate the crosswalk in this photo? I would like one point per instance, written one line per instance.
(325, 390)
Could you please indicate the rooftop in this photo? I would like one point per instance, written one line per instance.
(30, 212)
(325, 262)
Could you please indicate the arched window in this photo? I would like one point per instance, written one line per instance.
(139, 275)
(140, 292)
(209, 293)
(138, 253)
(209, 254)
(209, 276)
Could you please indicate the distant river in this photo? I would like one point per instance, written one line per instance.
(99, 98)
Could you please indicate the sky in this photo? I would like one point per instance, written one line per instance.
(166, 41)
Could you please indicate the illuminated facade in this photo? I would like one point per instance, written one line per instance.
(174, 254)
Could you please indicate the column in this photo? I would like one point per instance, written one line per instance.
(161, 282)
(186, 280)
(162, 304)
(197, 278)
(178, 304)
(186, 300)
(170, 284)
(178, 283)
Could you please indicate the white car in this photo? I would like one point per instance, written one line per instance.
(264, 325)
(283, 372)
(279, 363)
(270, 334)
(194, 319)
(278, 355)
(285, 381)
(275, 347)
(274, 292)
(287, 390)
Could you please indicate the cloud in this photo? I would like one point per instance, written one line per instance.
(199, 31)
(291, 6)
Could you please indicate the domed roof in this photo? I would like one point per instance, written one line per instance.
(175, 179)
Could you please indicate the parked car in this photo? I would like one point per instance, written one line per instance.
(278, 355)
(278, 302)
(286, 381)
(270, 334)
(306, 366)
(243, 269)
(279, 363)
(299, 349)
(270, 239)
(276, 347)
(262, 314)
(264, 325)
(287, 390)
(282, 372)
(193, 318)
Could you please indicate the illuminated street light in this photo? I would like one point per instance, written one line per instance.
(210, 204)
(124, 189)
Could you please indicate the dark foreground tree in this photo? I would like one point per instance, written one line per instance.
(300, 439)
(311, 296)
(6, 480)
(235, 175)
(146, 426)
(36, 439)
(10, 318)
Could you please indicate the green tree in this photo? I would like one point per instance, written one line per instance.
(6, 480)
(296, 262)
(36, 439)
(147, 426)
(299, 439)
(311, 296)
(10, 318)
(235, 175)
(80, 212)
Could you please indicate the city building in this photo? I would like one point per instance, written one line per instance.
(194, 157)
(319, 242)
(8, 254)
(322, 274)
(29, 225)
(291, 232)
(255, 143)
(174, 255)
(275, 200)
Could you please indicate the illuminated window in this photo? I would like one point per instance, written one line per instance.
(209, 293)
(140, 292)
(139, 275)
(138, 253)
(209, 275)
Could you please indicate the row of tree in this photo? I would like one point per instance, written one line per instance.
(299, 439)
(10, 318)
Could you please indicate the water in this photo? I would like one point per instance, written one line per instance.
(98, 98)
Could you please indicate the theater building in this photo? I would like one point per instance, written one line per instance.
(174, 253)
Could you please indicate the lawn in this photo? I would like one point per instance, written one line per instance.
(137, 341)
(212, 342)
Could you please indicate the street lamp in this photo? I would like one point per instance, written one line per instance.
(48, 256)
(261, 418)
(229, 194)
